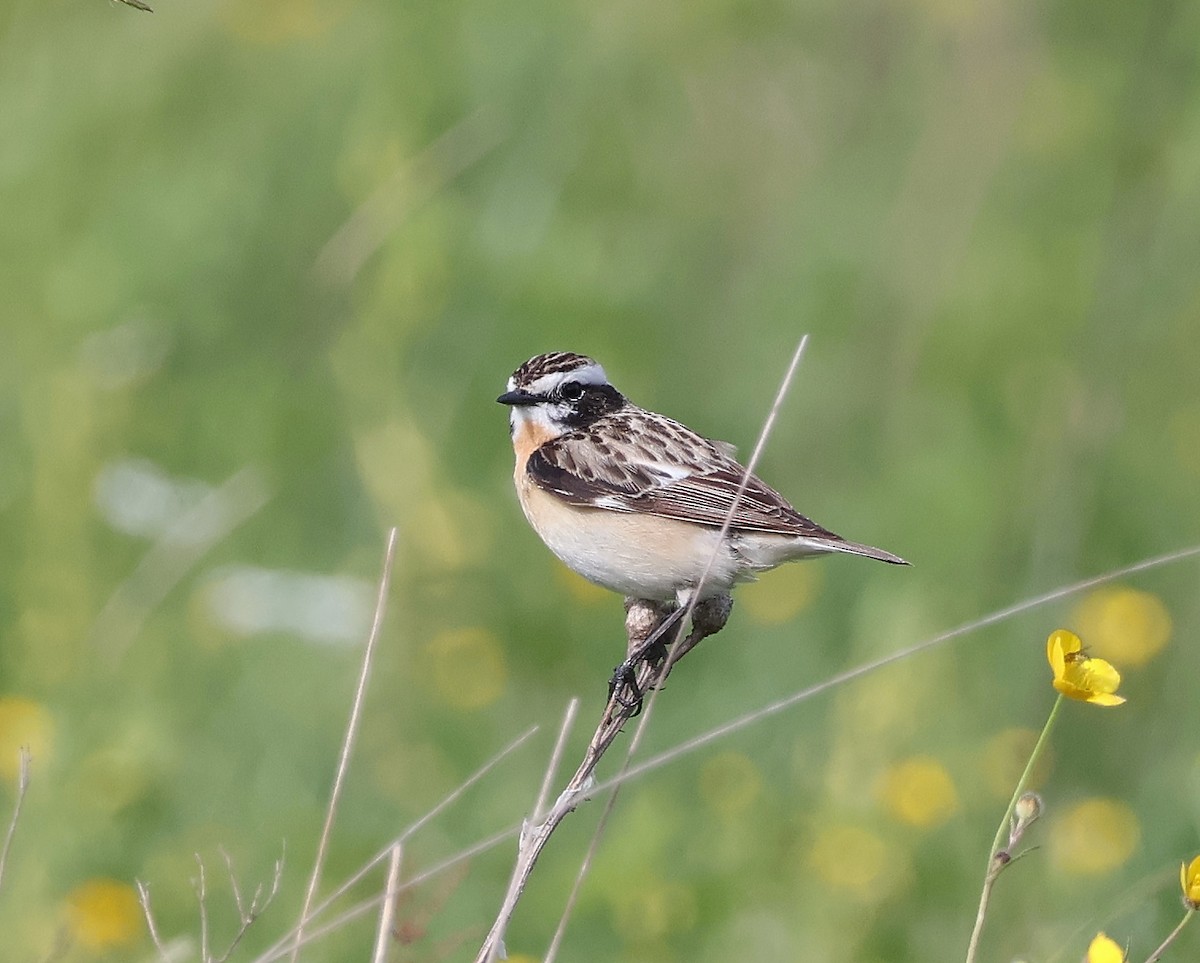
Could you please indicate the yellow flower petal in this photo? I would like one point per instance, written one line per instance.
(1189, 881)
(1079, 677)
(1061, 646)
(1105, 950)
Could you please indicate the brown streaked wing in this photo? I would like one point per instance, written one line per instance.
(567, 467)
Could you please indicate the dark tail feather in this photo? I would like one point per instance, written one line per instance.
(869, 551)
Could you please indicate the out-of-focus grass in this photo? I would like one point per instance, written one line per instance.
(987, 216)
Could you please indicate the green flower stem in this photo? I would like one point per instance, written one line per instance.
(1157, 954)
(996, 862)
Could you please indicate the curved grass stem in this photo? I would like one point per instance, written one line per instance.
(998, 855)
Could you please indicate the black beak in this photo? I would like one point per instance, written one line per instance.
(518, 398)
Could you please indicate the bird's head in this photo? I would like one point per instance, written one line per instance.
(559, 392)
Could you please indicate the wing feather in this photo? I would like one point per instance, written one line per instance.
(656, 466)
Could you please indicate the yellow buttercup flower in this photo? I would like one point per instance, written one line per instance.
(1078, 676)
(1105, 950)
(1189, 880)
(104, 913)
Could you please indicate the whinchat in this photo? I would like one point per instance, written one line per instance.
(636, 502)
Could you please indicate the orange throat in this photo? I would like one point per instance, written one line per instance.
(528, 438)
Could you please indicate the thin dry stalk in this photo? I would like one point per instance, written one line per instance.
(388, 912)
(366, 906)
(23, 760)
(348, 742)
(560, 745)
(151, 925)
(202, 898)
(248, 912)
(279, 948)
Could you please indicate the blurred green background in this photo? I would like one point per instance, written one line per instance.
(265, 267)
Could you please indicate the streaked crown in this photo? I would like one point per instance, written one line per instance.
(558, 392)
(543, 372)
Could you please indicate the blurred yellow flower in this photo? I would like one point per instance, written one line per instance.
(920, 792)
(1078, 676)
(104, 913)
(781, 595)
(282, 21)
(1189, 880)
(857, 861)
(729, 783)
(469, 671)
(649, 909)
(1094, 837)
(1104, 950)
(23, 722)
(1123, 624)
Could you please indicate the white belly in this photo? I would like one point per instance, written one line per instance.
(637, 555)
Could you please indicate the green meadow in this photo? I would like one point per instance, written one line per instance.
(267, 265)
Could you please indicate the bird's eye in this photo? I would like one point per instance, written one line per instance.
(571, 391)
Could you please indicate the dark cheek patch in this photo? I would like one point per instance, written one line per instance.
(597, 401)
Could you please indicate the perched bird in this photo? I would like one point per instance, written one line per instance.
(636, 502)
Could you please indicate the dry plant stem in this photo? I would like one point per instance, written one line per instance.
(998, 858)
(560, 745)
(347, 743)
(247, 914)
(534, 836)
(22, 788)
(708, 618)
(1157, 954)
(277, 950)
(144, 900)
(202, 898)
(388, 912)
(367, 905)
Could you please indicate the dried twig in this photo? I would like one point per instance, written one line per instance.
(248, 913)
(23, 759)
(367, 905)
(144, 899)
(279, 950)
(202, 898)
(555, 757)
(347, 743)
(388, 912)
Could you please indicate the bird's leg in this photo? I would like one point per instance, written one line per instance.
(646, 622)
(708, 618)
